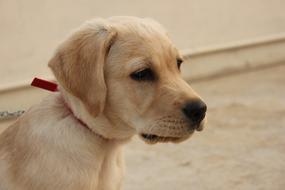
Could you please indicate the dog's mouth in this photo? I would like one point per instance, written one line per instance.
(152, 139)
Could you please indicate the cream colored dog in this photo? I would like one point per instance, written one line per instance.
(118, 77)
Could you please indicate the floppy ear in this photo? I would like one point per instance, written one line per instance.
(79, 62)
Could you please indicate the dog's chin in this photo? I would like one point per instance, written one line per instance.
(153, 139)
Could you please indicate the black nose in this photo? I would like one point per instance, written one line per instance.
(195, 111)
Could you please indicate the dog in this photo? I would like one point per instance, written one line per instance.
(117, 77)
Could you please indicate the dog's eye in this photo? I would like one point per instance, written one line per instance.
(179, 62)
(143, 75)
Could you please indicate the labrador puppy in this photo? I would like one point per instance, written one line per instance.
(117, 77)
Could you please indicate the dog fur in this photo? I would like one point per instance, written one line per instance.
(49, 149)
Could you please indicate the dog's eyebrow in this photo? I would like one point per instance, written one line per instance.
(138, 63)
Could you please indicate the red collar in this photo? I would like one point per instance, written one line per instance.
(53, 87)
(47, 85)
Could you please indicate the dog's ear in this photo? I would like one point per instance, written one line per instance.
(79, 62)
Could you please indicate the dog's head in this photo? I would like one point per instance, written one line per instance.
(127, 70)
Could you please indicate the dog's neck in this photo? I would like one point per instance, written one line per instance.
(82, 123)
(100, 125)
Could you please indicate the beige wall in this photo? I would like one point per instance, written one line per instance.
(31, 29)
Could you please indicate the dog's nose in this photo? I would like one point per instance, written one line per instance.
(195, 111)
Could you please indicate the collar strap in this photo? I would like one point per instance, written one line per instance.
(53, 87)
(79, 120)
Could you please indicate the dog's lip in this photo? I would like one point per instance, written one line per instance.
(151, 138)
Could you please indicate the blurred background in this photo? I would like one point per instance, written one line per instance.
(235, 55)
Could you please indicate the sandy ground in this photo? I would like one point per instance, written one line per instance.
(242, 147)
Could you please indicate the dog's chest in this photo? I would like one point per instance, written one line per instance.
(111, 173)
(104, 173)
(99, 172)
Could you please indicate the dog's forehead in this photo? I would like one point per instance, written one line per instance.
(142, 43)
(135, 54)
(145, 42)
(140, 31)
